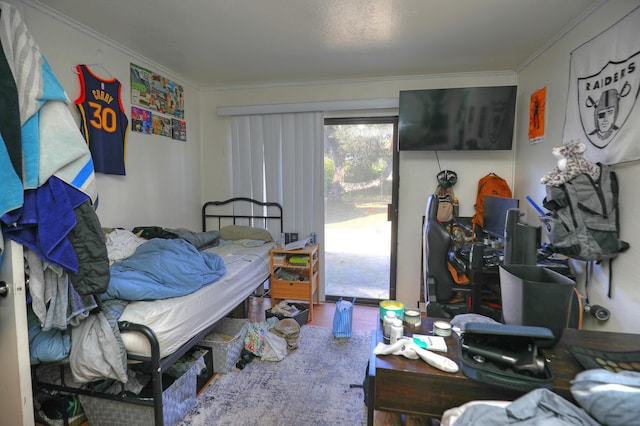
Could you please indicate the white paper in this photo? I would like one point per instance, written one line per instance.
(434, 343)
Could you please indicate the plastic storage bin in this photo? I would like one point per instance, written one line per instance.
(226, 343)
(301, 316)
(536, 296)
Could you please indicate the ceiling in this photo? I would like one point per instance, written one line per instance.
(231, 43)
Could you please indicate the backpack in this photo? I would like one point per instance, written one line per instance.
(583, 222)
(492, 185)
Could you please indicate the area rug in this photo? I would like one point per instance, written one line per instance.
(312, 385)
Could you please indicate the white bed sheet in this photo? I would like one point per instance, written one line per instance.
(178, 319)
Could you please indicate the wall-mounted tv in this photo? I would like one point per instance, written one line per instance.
(470, 118)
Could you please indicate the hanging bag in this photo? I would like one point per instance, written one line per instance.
(342, 318)
(447, 201)
(447, 204)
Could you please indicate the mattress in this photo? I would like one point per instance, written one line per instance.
(178, 319)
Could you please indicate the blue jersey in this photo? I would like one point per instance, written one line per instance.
(104, 123)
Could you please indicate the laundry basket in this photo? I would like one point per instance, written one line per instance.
(226, 343)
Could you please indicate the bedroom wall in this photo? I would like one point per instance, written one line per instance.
(551, 69)
(162, 185)
(417, 169)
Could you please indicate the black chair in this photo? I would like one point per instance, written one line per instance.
(442, 292)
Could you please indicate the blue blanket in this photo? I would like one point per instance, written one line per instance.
(162, 268)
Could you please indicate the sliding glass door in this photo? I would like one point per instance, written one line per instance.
(360, 214)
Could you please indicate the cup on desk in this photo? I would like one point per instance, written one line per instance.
(441, 328)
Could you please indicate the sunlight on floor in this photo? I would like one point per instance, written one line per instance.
(357, 262)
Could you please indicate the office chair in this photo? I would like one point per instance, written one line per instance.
(440, 288)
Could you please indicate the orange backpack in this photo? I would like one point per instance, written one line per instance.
(492, 185)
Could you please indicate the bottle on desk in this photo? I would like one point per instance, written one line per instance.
(397, 331)
(387, 322)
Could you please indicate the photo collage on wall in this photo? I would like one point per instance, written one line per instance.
(160, 105)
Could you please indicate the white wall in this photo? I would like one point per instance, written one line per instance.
(162, 185)
(417, 169)
(551, 69)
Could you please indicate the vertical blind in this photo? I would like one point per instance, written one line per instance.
(280, 157)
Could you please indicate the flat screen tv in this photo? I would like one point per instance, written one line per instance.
(470, 118)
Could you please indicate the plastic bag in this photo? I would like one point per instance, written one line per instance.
(254, 340)
(275, 348)
(342, 318)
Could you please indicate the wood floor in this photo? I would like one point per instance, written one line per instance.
(364, 317)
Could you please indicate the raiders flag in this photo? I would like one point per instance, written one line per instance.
(603, 92)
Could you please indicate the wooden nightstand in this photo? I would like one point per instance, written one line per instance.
(295, 275)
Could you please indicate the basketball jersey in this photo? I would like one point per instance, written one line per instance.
(103, 121)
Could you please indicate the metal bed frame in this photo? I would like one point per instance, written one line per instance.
(265, 213)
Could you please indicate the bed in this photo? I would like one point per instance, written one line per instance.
(157, 333)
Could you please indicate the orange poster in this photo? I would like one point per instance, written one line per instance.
(537, 106)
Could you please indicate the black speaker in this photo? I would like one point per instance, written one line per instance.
(510, 243)
(520, 240)
(477, 256)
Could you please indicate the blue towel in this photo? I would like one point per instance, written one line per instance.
(45, 220)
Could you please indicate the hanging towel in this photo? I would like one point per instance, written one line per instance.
(44, 222)
(61, 151)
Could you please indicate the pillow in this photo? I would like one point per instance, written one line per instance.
(240, 232)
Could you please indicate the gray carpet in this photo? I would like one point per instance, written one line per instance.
(311, 386)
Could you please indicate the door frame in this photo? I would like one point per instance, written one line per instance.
(392, 209)
(16, 395)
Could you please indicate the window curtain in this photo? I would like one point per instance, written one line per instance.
(280, 157)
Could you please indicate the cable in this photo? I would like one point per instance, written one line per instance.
(438, 161)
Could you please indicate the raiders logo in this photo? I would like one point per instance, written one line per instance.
(604, 100)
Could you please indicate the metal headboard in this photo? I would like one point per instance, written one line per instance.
(268, 211)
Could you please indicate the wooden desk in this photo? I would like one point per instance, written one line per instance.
(398, 384)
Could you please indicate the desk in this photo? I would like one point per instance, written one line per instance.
(401, 385)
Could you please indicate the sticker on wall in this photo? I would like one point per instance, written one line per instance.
(140, 120)
(160, 97)
(161, 125)
(537, 107)
(156, 92)
(179, 129)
